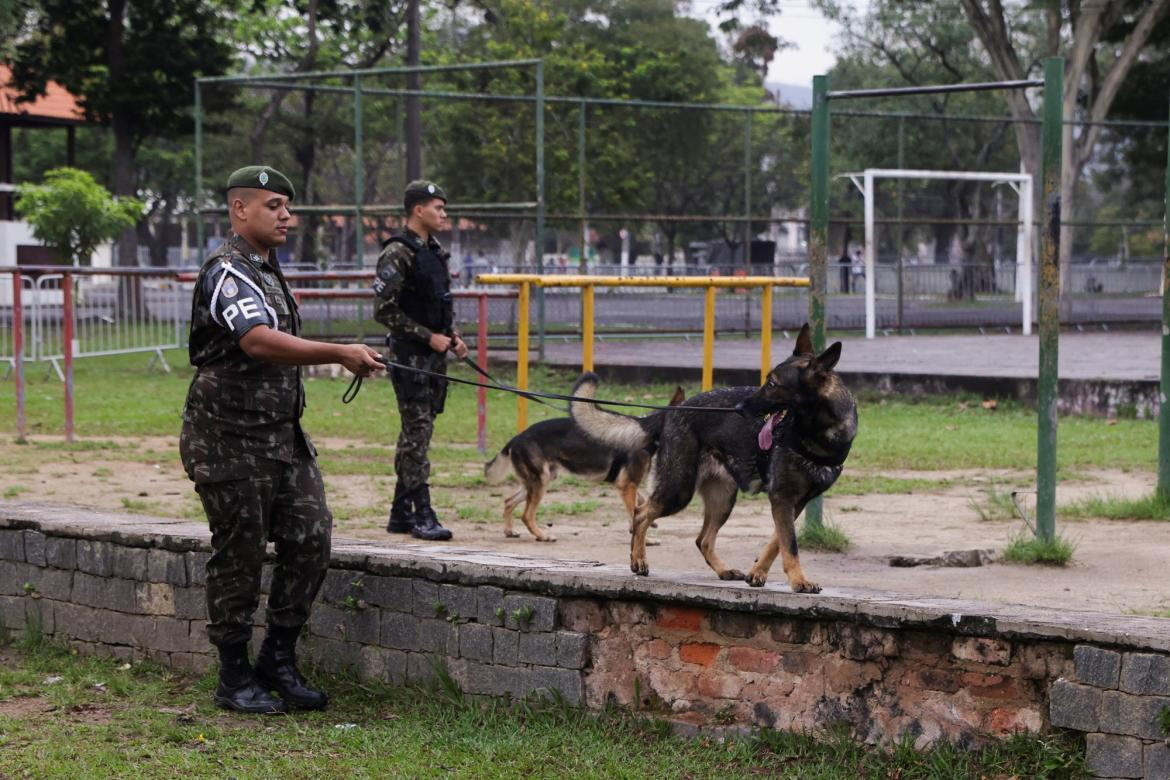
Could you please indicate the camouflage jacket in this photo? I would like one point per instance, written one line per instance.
(239, 408)
(402, 278)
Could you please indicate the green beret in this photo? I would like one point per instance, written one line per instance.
(421, 191)
(261, 177)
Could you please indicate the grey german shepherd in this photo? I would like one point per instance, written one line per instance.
(790, 438)
(543, 449)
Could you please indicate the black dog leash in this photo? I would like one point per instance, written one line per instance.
(356, 385)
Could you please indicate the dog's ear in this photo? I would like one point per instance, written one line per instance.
(679, 396)
(828, 359)
(803, 342)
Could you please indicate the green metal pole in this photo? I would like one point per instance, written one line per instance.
(197, 194)
(900, 201)
(1049, 302)
(747, 213)
(1163, 408)
(581, 183)
(818, 240)
(359, 184)
(747, 189)
(540, 205)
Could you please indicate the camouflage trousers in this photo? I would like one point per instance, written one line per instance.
(420, 400)
(279, 502)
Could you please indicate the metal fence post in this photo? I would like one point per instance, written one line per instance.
(708, 339)
(1163, 407)
(818, 240)
(481, 349)
(541, 206)
(18, 353)
(1049, 304)
(522, 357)
(200, 241)
(766, 334)
(898, 199)
(67, 328)
(583, 264)
(747, 188)
(359, 184)
(587, 317)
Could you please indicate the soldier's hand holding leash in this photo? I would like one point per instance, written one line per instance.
(442, 343)
(360, 360)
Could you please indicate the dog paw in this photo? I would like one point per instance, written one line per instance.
(511, 534)
(732, 574)
(641, 568)
(546, 538)
(804, 586)
(756, 580)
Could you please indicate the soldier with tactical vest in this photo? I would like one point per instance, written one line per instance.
(242, 443)
(413, 289)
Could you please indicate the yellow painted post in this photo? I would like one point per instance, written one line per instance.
(766, 334)
(522, 358)
(709, 340)
(587, 328)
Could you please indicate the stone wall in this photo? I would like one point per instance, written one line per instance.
(1117, 698)
(703, 652)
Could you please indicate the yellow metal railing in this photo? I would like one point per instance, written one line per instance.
(588, 283)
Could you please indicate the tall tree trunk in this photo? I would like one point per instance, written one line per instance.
(413, 107)
(123, 163)
(991, 27)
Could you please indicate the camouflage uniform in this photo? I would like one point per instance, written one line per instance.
(242, 444)
(413, 290)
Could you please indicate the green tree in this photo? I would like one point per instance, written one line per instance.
(895, 43)
(75, 214)
(1102, 40)
(132, 64)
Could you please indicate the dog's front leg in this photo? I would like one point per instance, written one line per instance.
(783, 541)
(646, 515)
(510, 505)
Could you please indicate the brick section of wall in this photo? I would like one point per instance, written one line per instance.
(882, 668)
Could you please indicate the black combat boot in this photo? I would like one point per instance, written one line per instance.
(276, 669)
(401, 511)
(426, 524)
(237, 689)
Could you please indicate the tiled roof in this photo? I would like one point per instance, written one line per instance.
(56, 104)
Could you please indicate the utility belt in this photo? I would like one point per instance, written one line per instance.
(415, 386)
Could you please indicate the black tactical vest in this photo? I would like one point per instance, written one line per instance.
(426, 293)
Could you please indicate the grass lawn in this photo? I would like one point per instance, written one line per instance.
(68, 717)
(119, 396)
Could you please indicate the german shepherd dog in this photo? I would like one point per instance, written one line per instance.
(546, 447)
(791, 438)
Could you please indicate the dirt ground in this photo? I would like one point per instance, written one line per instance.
(1118, 566)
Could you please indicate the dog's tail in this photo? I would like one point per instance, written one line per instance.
(496, 470)
(619, 431)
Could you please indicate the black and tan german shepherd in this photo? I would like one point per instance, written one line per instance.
(549, 446)
(790, 438)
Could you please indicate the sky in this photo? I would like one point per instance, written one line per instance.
(806, 27)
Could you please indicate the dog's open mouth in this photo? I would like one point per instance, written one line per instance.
(770, 423)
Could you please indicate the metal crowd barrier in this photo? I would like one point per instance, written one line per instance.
(58, 314)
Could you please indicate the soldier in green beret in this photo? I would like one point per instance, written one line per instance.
(413, 290)
(242, 444)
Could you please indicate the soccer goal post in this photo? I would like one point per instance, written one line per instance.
(1021, 183)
